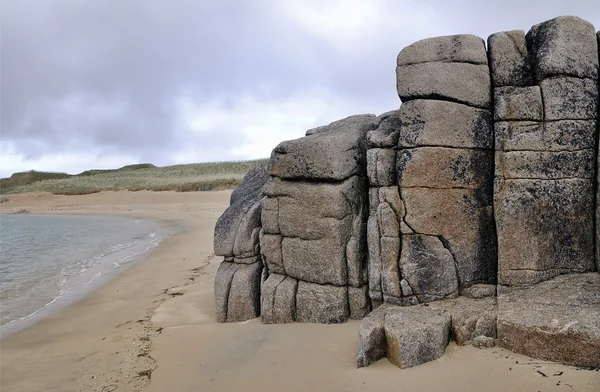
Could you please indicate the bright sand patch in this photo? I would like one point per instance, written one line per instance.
(153, 329)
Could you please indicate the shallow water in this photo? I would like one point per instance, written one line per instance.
(49, 261)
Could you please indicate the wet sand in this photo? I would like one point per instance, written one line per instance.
(153, 328)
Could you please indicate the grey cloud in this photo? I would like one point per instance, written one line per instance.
(146, 54)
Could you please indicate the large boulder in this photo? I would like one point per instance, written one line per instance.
(545, 228)
(546, 134)
(237, 291)
(510, 63)
(556, 320)
(462, 48)
(247, 195)
(372, 345)
(333, 153)
(566, 45)
(314, 220)
(407, 336)
(446, 81)
(237, 238)
(416, 335)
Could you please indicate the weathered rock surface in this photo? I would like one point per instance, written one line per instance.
(430, 122)
(545, 228)
(372, 345)
(510, 64)
(463, 220)
(278, 299)
(463, 48)
(518, 103)
(470, 318)
(324, 304)
(566, 45)
(334, 153)
(545, 167)
(563, 135)
(244, 294)
(442, 167)
(428, 267)
(470, 213)
(569, 98)
(556, 320)
(484, 342)
(445, 81)
(320, 231)
(386, 133)
(415, 335)
(381, 163)
(242, 200)
(479, 291)
(236, 236)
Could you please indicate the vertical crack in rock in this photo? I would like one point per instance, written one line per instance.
(446, 245)
(405, 211)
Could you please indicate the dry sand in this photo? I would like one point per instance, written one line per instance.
(153, 328)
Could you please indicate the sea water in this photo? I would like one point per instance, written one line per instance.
(50, 261)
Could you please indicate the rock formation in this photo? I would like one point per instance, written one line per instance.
(469, 214)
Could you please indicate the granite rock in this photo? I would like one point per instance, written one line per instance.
(445, 81)
(334, 153)
(566, 45)
(441, 167)
(464, 48)
(484, 342)
(244, 294)
(556, 320)
(518, 103)
(428, 267)
(510, 63)
(564, 135)
(415, 335)
(242, 200)
(372, 345)
(321, 304)
(544, 228)
(569, 98)
(431, 122)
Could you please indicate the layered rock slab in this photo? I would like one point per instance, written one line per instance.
(437, 68)
(444, 170)
(546, 130)
(236, 237)
(410, 336)
(556, 320)
(313, 238)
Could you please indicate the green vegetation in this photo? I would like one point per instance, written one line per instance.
(181, 178)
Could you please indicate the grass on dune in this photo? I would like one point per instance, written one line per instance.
(182, 178)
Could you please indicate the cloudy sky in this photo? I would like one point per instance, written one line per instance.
(104, 83)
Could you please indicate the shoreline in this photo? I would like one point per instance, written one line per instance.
(153, 328)
(95, 342)
(98, 274)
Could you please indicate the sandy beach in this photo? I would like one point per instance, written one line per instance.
(153, 328)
